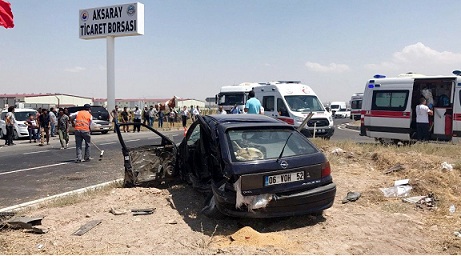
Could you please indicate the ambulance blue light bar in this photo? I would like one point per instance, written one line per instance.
(379, 76)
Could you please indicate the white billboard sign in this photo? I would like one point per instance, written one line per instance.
(116, 20)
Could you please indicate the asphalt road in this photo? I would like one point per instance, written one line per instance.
(29, 172)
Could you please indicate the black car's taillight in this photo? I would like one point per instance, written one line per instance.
(326, 170)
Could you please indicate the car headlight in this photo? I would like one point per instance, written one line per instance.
(299, 119)
(22, 125)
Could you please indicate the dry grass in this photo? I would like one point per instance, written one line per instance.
(422, 165)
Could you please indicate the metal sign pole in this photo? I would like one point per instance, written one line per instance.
(110, 73)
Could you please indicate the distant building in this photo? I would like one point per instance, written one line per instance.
(43, 100)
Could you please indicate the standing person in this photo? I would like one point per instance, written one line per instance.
(137, 119)
(145, 116)
(114, 116)
(253, 105)
(37, 115)
(195, 112)
(125, 118)
(161, 115)
(422, 120)
(32, 128)
(221, 111)
(63, 128)
(184, 115)
(44, 123)
(82, 122)
(235, 109)
(171, 117)
(10, 121)
(152, 114)
(53, 122)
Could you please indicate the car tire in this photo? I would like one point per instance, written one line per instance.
(210, 209)
(104, 132)
(15, 135)
(317, 214)
(1, 133)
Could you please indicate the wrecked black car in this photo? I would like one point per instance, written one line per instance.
(248, 166)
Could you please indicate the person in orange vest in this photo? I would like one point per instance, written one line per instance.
(82, 122)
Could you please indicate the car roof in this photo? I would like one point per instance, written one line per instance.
(21, 110)
(245, 120)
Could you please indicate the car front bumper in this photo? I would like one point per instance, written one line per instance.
(299, 203)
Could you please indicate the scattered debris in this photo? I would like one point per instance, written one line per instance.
(452, 209)
(38, 230)
(40, 246)
(447, 167)
(351, 197)
(170, 200)
(86, 227)
(401, 182)
(400, 189)
(423, 202)
(414, 199)
(457, 233)
(146, 211)
(24, 222)
(337, 151)
(117, 211)
(395, 168)
(172, 222)
(4, 215)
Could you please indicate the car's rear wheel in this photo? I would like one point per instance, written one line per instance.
(1, 133)
(210, 209)
(15, 135)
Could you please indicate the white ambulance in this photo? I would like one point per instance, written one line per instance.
(388, 107)
(356, 105)
(291, 102)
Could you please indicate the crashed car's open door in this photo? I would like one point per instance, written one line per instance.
(151, 164)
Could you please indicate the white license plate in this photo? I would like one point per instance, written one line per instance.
(283, 178)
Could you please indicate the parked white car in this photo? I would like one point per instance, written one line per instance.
(20, 128)
(343, 113)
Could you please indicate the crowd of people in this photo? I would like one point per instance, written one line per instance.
(46, 123)
(153, 116)
(41, 126)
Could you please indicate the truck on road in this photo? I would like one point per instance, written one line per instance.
(231, 96)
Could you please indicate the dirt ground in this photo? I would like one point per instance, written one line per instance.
(373, 224)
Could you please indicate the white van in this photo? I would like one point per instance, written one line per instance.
(291, 102)
(388, 107)
(337, 105)
(20, 128)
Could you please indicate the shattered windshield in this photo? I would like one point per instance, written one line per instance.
(304, 103)
(266, 143)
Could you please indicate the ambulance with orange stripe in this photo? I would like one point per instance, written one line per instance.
(388, 107)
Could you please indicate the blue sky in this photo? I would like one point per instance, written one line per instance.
(192, 48)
